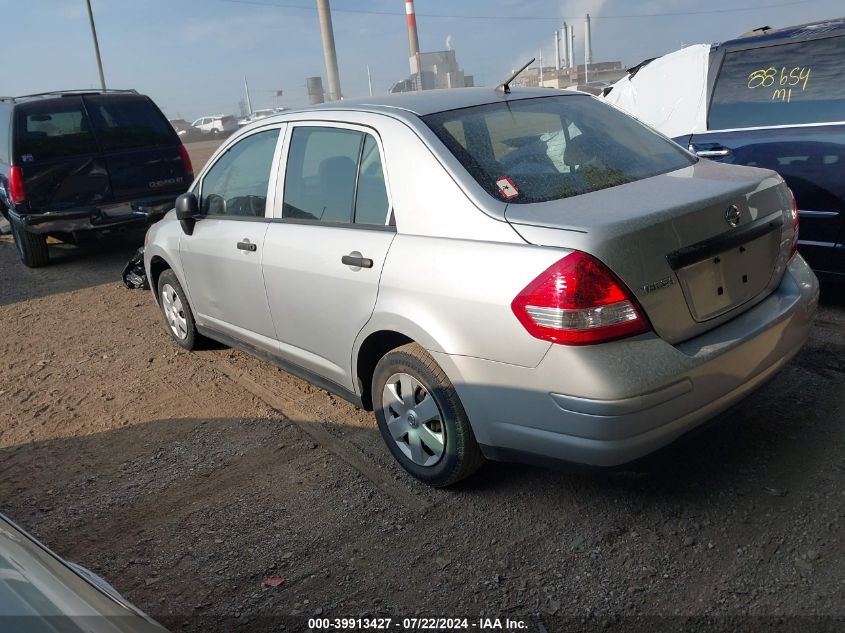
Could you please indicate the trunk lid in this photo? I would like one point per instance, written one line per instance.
(139, 146)
(672, 240)
(810, 159)
(79, 151)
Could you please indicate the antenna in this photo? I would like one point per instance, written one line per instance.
(505, 86)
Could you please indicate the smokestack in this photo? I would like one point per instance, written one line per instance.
(572, 46)
(588, 42)
(564, 40)
(557, 50)
(315, 90)
(413, 40)
(324, 11)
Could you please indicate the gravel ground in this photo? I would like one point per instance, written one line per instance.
(186, 479)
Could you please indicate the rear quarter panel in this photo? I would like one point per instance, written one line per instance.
(454, 296)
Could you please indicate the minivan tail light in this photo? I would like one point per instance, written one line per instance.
(795, 222)
(579, 301)
(16, 189)
(186, 160)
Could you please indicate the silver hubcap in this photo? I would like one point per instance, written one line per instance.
(174, 312)
(414, 420)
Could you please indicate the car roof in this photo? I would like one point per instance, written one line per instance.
(58, 94)
(430, 101)
(811, 30)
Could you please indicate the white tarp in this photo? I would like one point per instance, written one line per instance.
(670, 93)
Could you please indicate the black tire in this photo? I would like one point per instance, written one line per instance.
(32, 247)
(462, 455)
(192, 338)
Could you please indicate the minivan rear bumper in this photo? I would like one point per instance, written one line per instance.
(140, 212)
(610, 404)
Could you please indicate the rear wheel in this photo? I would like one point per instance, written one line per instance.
(32, 247)
(422, 419)
(177, 312)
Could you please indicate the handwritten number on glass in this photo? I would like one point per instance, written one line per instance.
(767, 77)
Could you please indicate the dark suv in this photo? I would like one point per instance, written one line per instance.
(80, 162)
(777, 100)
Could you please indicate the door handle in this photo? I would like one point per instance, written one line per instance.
(246, 245)
(356, 260)
(713, 153)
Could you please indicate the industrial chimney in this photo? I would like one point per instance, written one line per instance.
(588, 42)
(557, 50)
(413, 40)
(564, 37)
(572, 46)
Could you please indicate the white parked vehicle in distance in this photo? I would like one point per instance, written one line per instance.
(216, 125)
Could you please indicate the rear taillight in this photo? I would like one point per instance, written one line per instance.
(578, 301)
(186, 160)
(794, 247)
(16, 189)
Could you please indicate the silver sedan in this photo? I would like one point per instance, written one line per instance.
(515, 275)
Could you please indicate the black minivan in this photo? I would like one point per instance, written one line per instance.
(73, 163)
(777, 100)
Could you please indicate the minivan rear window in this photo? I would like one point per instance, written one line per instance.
(783, 84)
(129, 123)
(548, 148)
(53, 129)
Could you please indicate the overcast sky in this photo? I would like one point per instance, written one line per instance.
(190, 56)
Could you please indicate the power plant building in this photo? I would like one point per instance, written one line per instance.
(429, 70)
(566, 71)
(437, 70)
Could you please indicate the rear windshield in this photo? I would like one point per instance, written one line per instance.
(52, 129)
(785, 84)
(129, 123)
(534, 150)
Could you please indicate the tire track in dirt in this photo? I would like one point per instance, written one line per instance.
(310, 424)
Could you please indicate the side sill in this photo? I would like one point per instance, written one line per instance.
(282, 364)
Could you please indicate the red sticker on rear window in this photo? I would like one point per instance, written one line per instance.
(507, 187)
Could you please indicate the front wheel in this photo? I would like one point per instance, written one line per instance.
(177, 311)
(421, 418)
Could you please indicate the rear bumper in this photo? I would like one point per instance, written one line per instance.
(143, 212)
(613, 403)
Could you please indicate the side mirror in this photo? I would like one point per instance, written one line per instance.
(187, 208)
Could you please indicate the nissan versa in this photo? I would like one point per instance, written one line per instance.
(495, 274)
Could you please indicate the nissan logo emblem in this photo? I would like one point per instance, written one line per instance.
(732, 216)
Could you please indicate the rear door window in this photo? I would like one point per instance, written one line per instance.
(52, 129)
(5, 125)
(371, 203)
(783, 84)
(237, 184)
(335, 175)
(320, 175)
(129, 123)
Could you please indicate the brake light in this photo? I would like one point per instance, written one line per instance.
(16, 189)
(579, 301)
(186, 160)
(794, 246)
